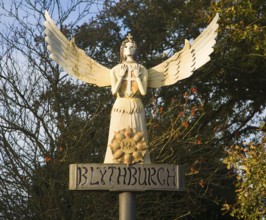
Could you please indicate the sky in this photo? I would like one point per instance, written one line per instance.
(24, 11)
(8, 21)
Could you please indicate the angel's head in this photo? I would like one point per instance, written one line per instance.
(128, 48)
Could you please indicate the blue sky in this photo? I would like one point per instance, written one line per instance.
(26, 12)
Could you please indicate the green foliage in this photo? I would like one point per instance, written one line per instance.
(249, 163)
(243, 48)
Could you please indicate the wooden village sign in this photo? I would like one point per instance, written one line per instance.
(127, 166)
(117, 177)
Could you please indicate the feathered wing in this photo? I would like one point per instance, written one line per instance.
(72, 59)
(182, 64)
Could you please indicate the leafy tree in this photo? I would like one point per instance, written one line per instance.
(248, 161)
(49, 120)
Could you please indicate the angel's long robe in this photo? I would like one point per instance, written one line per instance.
(127, 112)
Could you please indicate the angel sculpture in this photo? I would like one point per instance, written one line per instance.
(127, 141)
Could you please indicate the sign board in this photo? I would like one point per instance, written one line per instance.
(119, 177)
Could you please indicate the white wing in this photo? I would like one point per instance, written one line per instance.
(182, 64)
(72, 59)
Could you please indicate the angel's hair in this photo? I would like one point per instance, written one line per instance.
(129, 38)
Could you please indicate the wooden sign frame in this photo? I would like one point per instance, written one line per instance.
(118, 177)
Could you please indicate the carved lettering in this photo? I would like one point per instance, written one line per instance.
(142, 176)
(102, 174)
(152, 174)
(82, 171)
(159, 178)
(170, 177)
(92, 177)
(111, 175)
(129, 176)
(133, 175)
(121, 177)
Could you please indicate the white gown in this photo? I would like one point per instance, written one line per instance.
(127, 111)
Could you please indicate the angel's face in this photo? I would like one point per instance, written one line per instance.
(129, 49)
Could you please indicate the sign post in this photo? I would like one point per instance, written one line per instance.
(127, 206)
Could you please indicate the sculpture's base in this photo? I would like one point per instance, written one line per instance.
(118, 177)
